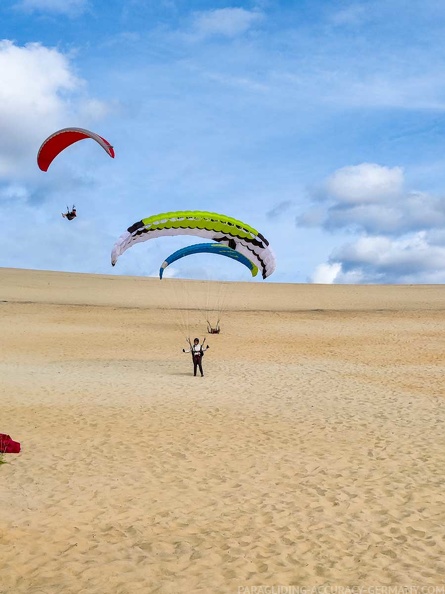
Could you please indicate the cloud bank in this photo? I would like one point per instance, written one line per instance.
(401, 232)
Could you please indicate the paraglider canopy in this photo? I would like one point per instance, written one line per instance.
(208, 248)
(210, 225)
(64, 138)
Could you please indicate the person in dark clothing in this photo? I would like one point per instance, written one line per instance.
(70, 214)
(197, 352)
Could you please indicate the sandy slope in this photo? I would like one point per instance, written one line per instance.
(311, 453)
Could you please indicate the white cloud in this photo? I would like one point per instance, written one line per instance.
(400, 233)
(68, 7)
(365, 183)
(39, 94)
(326, 274)
(369, 217)
(372, 198)
(30, 104)
(228, 22)
(408, 259)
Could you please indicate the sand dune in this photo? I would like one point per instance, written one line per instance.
(312, 453)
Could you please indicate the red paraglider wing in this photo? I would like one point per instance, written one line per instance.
(60, 140)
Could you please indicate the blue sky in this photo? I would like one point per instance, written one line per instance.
(319, 122)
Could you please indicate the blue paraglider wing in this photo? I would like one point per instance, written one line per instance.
(209, 248)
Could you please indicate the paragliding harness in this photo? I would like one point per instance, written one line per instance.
(213, 330)
(196, 355)
(70, 214)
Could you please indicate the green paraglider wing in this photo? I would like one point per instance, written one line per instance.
(217, 227)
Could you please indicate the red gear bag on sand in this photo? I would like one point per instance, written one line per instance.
(8, 445)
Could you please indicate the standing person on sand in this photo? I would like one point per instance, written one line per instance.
(197, 355)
